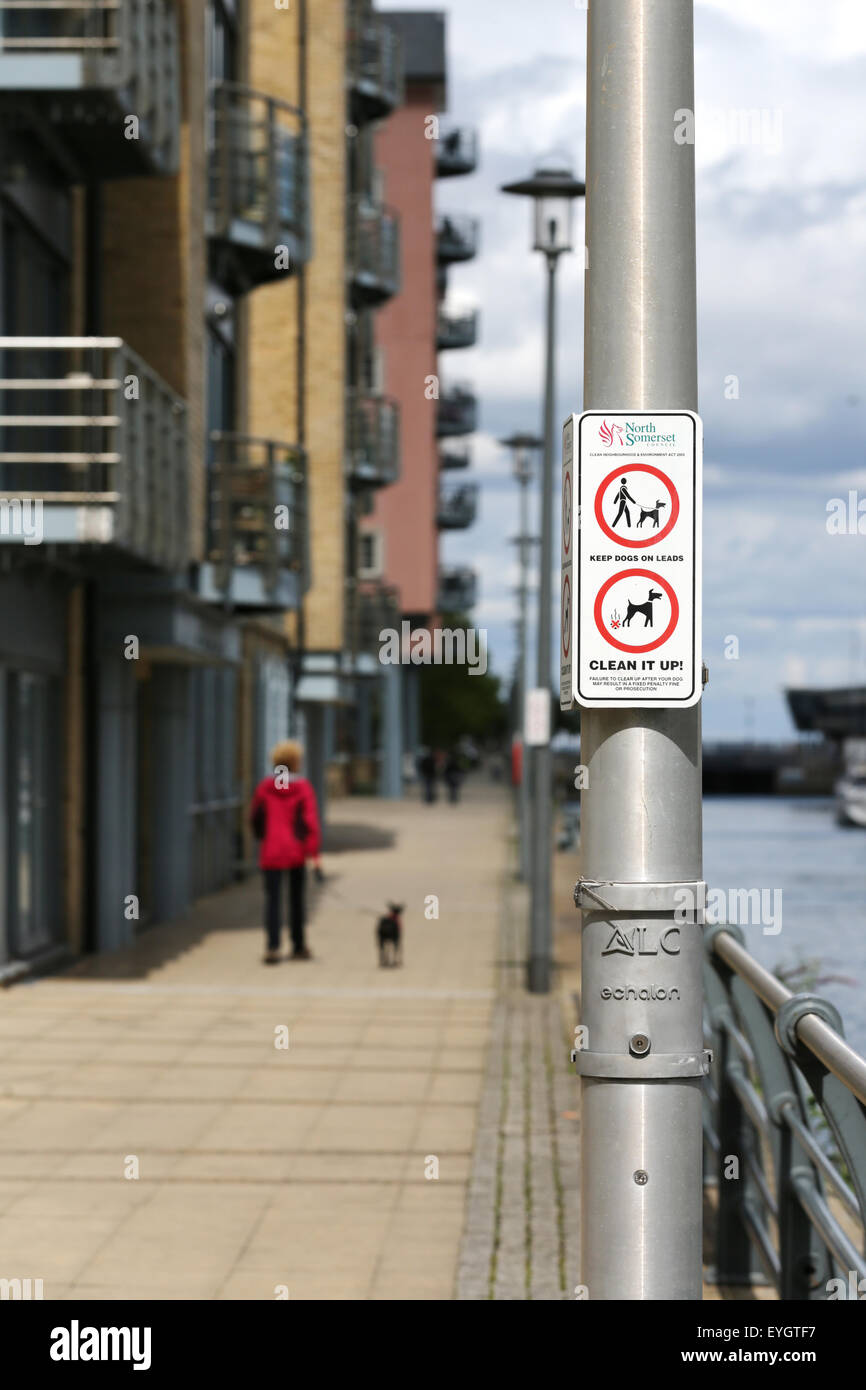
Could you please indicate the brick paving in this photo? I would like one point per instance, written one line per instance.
(262, 1171)
(415, 1139)
(520, 1240)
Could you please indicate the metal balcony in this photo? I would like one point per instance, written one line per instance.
(257, 540)
(258, 215)
(372, 440)
(457, 412)
(94, 444)
(371, 609)
(457, 238)
(373, 259)
(374, 64)
(458, 507)
(456, 330)
(454, 456)
(457, 590)
(456, 152)
(101, 75)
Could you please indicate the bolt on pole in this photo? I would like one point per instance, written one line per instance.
(641, 1146)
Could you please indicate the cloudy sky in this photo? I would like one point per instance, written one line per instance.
(781, 305)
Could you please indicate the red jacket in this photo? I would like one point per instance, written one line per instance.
(291, 817)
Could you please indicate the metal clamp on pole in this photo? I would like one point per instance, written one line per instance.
(686, 899)
(631, 1067)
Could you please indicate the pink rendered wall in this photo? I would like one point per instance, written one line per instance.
(406, 334)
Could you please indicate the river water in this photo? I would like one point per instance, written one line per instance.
(794, 845)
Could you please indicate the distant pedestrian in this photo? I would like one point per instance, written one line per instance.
(284, 816)
(427, 769)
(453, 777)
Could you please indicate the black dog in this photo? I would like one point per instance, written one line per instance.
(389, 934)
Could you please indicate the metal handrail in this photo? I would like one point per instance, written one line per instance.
(822, 1040)
(456, 149)
(259, 164)
(458, 504)
(370, 608)
(372, 438)
(457, 411)
(454, 330)
(86, 422)
(250, 479)
(374, 55)
(457, 236)
(782, 1068)
(374, 244)
(130, 47)
(457, 588)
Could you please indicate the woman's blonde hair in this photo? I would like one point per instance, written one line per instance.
(288, 753)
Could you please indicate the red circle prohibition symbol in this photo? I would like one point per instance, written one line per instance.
(637, 574)
(566, 513)
(566, 616)
(655, 536)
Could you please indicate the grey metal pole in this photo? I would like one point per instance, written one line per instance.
(540, 925)
(641, 815)
(523, 789)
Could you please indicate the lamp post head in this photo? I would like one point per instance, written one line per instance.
(522, 447)
(553, 189)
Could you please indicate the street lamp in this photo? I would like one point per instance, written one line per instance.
(523, 449)
(553, 189)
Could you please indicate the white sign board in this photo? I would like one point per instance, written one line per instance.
(537, 718)
(631, 564)
(566, 612)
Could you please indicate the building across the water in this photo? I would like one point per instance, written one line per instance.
(837, 714)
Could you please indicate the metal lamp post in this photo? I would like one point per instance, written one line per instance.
(523, 447)
(641, 811)
(553, 191)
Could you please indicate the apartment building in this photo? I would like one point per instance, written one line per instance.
(348, 79)
(418, 334)
(153, 528)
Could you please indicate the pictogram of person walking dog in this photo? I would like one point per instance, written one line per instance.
(624, 497)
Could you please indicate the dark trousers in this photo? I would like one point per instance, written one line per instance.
(297, 883)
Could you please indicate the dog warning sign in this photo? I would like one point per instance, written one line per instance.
(630, 619)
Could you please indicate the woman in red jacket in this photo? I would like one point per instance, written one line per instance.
(284, 815)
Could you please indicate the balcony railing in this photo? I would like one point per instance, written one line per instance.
(458, 507)
(457, 412)
(456, 152)
(374, 64)
(103, 74)
(95, 443)
(370, 610)
(373, 250)
(457, 590)
(257, 521)
(456, 330)
(457, 237)
(453, 455)
(372, 439)
(258, 206)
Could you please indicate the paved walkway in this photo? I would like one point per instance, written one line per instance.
(155, 1142)
(521, 1237)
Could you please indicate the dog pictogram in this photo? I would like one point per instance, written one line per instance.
(645, 608)
(647, 513)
